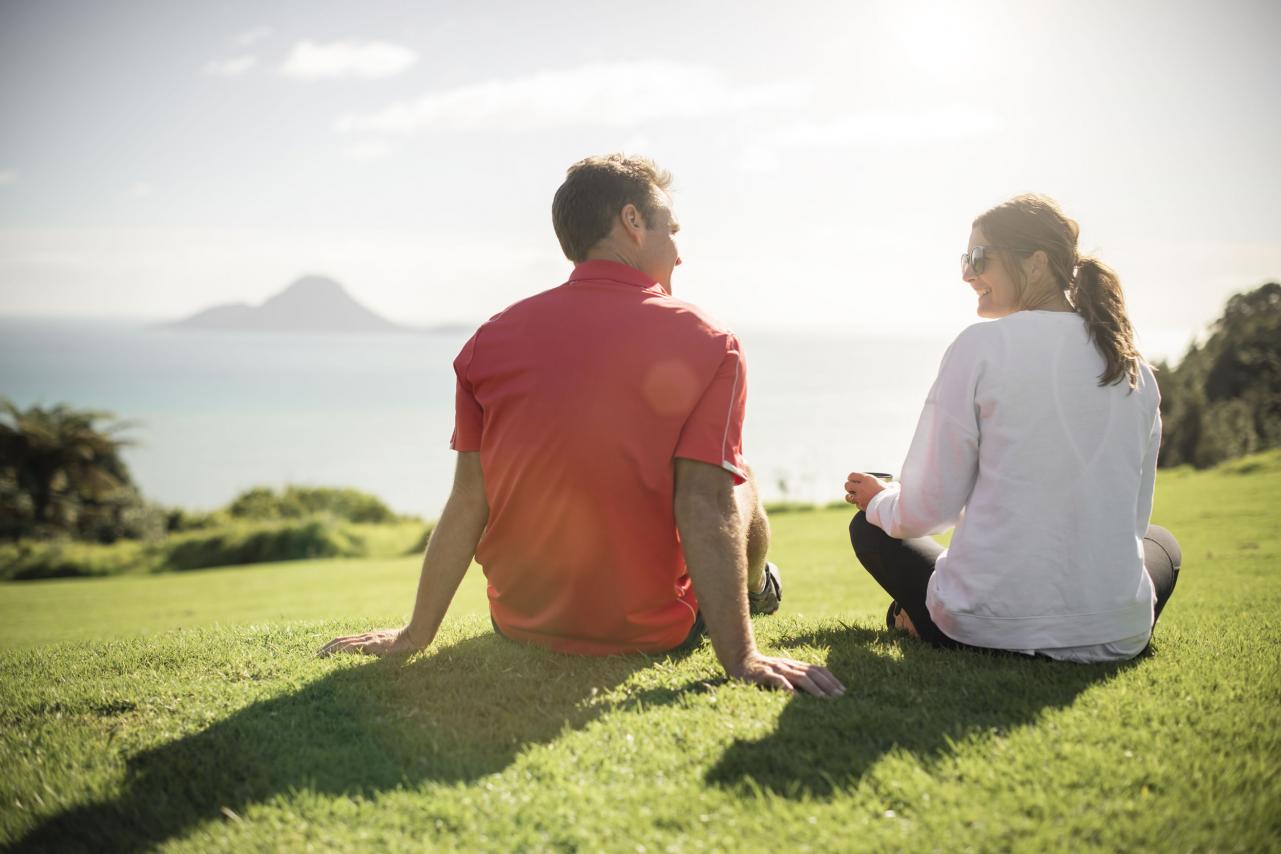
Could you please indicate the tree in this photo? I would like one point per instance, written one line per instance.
(61, 471)
(1224, 398)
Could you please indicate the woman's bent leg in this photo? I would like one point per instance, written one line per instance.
(1162, 558)
(903, 569)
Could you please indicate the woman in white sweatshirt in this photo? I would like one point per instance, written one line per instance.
(1038, 442)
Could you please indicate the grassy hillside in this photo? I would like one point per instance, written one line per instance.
(235, 736)
(230, 542)
(819, 574)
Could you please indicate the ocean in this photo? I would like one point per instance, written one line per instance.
(215, 413)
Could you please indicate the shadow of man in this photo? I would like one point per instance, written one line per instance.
(360, 730)
(923, 702)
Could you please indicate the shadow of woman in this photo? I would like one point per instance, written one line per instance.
(463, 712)
(923, 702)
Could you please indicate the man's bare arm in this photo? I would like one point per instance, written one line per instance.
(715, 544)
(449, 552)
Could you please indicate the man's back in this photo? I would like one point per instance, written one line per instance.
(594, 422)
(578, 399)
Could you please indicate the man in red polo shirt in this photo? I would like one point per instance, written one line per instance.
(600, 479)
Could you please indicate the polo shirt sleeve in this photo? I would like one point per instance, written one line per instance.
(468, 415)
(713, 433)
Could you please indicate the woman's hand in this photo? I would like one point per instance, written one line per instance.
(861, 488)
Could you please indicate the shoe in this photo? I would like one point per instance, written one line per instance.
(766, 602)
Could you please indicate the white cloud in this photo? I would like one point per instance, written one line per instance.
(250, 37)
(638, 144)
(759, 160)
(618, 94)
(368, 149)
(369, 60)
(131, 271)
(140, 190)
(8, 176)
(233, 67)
(956, 121)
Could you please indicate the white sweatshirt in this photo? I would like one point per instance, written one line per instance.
(1048, 479)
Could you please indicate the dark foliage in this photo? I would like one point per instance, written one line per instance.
(62, 474)
(1224, 398)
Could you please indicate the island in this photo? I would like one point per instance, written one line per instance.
(311, 304)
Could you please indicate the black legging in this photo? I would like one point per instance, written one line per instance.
(903, 569)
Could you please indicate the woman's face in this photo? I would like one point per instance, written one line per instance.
(997, 292)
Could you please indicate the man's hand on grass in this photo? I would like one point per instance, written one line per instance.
(449, 553)
(381, 642)
(787, 674)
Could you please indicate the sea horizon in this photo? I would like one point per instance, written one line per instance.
(218, 412)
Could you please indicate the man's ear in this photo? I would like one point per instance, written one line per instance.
(633, 222)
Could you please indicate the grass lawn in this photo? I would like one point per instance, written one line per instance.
(189, 712)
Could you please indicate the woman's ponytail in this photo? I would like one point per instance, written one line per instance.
(1033, 223)
(1096, 294)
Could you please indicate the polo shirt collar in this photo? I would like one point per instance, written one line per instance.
(612, 271)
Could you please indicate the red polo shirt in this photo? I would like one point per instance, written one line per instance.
(578, 399)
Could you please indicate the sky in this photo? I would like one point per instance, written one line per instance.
(829, 157)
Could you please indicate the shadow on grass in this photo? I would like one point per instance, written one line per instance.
(459, 714)
(922, 703)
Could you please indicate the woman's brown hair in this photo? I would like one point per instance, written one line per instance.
(1031, 222)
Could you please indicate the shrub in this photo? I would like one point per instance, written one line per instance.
(1268, 461)
(420, 545)
(773, 508)
(178, 520)
(298, 501)
(228, 544)
(28, 560)
(120, 515)
(316, 537)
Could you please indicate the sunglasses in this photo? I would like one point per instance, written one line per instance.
(976, 259)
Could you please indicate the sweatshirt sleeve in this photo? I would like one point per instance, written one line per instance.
(942, 462)
(1147, 480)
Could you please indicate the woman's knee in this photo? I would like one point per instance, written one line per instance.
(1162, 559)
(1160, 544)
(864, 536)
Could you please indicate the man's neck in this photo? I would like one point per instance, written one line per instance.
(611, 253)
(621, 255)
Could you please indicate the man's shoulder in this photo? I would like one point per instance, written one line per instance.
(653, 305)
(533, 302)
(684, 317)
